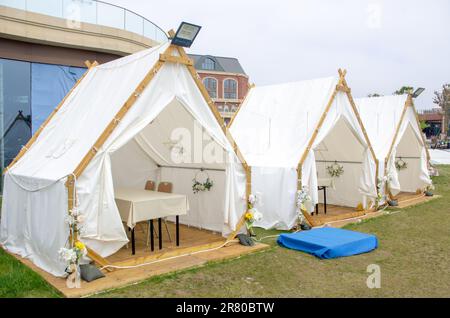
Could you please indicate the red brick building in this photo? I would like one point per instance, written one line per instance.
(435, 119)
(226, 82)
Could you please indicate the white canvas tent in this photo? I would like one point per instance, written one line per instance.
(290, 133)
(394, 130)
(120, 126)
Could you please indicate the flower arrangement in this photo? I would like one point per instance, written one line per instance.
(400, 164)
(72, 255)
(198, 186)
(382, 183)
(252, 215)
(335, 170)
(303, 202)
(303, 198)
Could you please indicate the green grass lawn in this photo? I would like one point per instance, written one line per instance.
(413, 253)
(17, 280)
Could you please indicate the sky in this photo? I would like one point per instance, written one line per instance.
(383, 45)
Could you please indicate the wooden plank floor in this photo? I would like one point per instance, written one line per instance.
(335, 213)
(191, 239)
(189, 236)
(407, 199)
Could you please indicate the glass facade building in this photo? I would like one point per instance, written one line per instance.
(28, 94)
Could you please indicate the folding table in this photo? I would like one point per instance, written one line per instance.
(137, 205)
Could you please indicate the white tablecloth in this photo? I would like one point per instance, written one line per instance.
(143, 205)
(325, 182)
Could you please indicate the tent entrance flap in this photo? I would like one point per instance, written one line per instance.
(409, 151)
(340, 148)
(175, 148)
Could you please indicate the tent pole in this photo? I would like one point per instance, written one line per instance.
(320, 123)
(310, 144)
(118, 117)
(49, 118)
(307, 216)
(399, 125)
(391, 148)
(366, 137)
(409, 103)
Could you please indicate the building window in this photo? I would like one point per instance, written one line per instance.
(230, 89)
(208, 64)
(15, 108)
(49, 85)
(28, 94)
(211, 86)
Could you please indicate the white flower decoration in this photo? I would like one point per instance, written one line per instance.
(252, 199)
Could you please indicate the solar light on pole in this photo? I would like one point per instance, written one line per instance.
(186, 34)
(417, 92)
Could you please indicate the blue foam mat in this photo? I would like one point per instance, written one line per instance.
(329, 242)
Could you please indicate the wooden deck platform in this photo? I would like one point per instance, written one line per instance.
(191, 253)
(407, 199)
(334, 213)
(341, 216)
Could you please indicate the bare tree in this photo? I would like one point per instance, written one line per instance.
(442, 98)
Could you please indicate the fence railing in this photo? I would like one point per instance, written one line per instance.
(94, 12)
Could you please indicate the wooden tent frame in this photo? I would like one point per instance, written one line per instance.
(408, 103)
(342, 86)
(166, 57)
(250, 87)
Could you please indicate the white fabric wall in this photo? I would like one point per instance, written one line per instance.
(36, 234)
(348, 154)
(275, 122)
(206, 209)
(345, 184)
(132, 167)
(275, 189)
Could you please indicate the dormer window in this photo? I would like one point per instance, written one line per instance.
(209, 64)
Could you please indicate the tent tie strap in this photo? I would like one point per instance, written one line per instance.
(116, 120)
(94, 150)
(137, 94)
